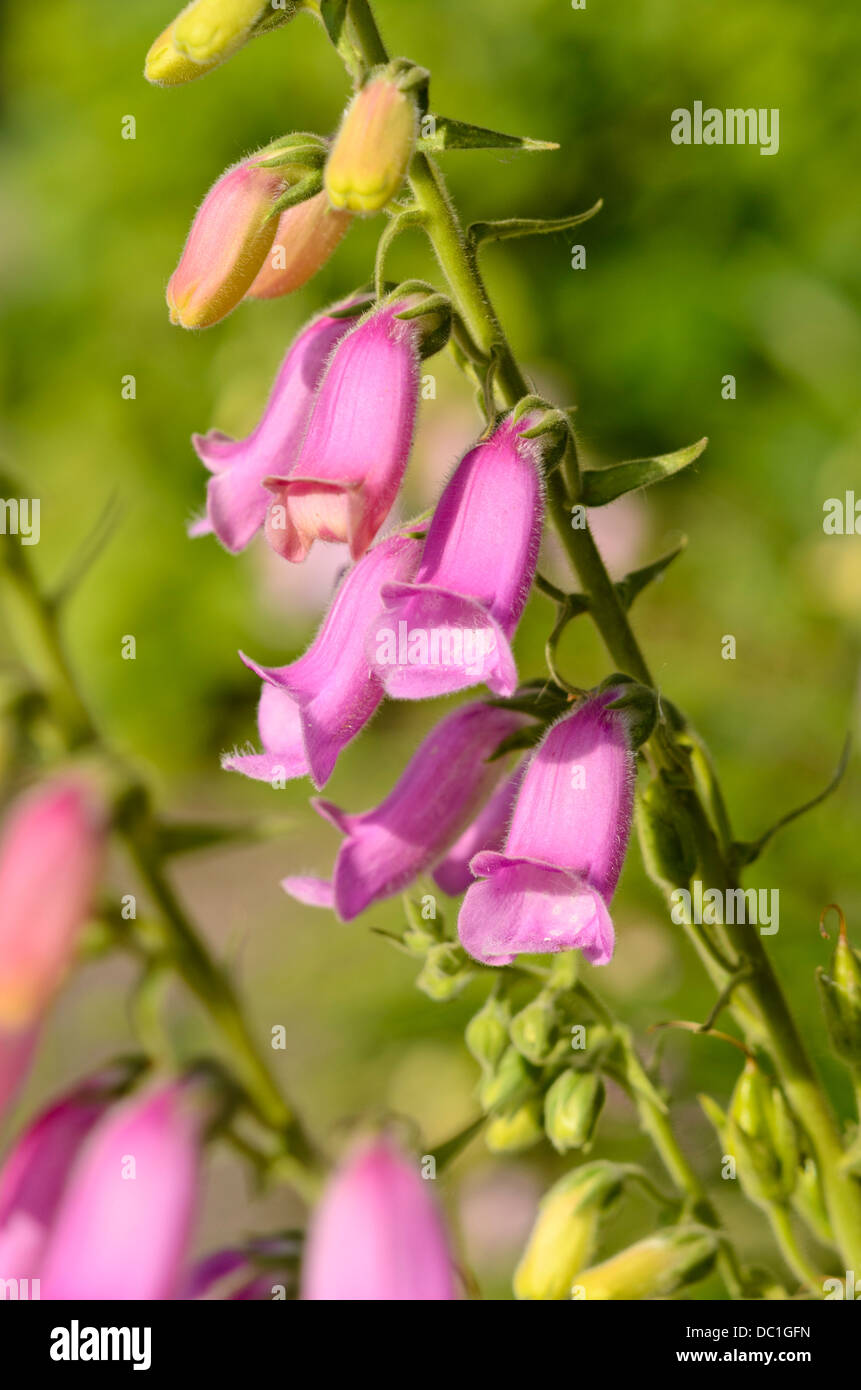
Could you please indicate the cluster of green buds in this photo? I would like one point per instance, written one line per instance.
(759, 1133)
(446, 968)
(530, 1086)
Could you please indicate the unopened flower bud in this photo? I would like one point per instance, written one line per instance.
(515, 1130)
(445, 972)
(571, 1109)
(232, 231)
(564, 1236)
(306, 237)
(373, 146)
(510, 1082)
(653, 1268)
(487, 1033)
(207, 33)
(534, 1029)
(840, 991)
(761, 1137)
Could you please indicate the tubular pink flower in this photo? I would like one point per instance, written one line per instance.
(441, 789)
(236, 499)
(33, 1178)
(377, 1234)
(349, 468)
(550, 887)
(232, 231)
(451, 626)
(50, 857)
(312, 708)
(122, 1228)
(307, 236)
(453, 874)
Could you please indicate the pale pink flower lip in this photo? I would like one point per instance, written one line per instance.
(550, 886)
(236, 499)
(377, 1233)
(451, 627)
(442, 788)
(347, 473)
(310, 710)
(50, 857)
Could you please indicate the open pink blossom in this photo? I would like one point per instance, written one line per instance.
(453, 874)
(236, 499)
(346, 476)
(451, 626)
(549, 888)
(312, 708)
(443, 786)
(377, 1234)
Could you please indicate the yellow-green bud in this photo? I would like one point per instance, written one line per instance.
(373, 147)
(444, 973)
(563, 1238)
(653, 1268)
(534, 1030)
(487, 1033)
(516, 1129)
(571, 1109)
(808, 1199)
(840, 991)
(511, 1081)
(761, 1137)
(207, 33)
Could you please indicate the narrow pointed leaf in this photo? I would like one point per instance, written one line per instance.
(746, 851)
(634, 583)
(458, 135)
(603, 485)
(446, 1153)
(508, 227)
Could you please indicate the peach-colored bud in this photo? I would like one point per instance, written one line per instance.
(307, 235)
(50, 856)
(233, 230)
(373, 147)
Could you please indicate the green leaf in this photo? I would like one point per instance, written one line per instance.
(457, 135)
(509, 227)
(543, 699)
(602, 485)
(334, 16)
(746, 851)
(634, 583)
(516, 742)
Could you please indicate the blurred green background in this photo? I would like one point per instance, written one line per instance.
(706, 261)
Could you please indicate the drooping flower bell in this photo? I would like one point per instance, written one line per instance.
(17, 1050)
(353, 456)
(208, 32)
(236, 499)
(451, 626)
(312, 708)
(377, 1234)
(441, 789)
(373, 147)
(549, 888)
(306, 237)
(34, 1176)
(230, 237)
(50, 856)
(124, 1222)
